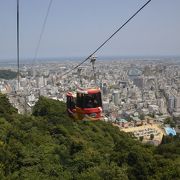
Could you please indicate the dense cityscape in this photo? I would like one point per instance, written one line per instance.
(136, 92)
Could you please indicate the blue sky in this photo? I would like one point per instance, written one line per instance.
(77, 27)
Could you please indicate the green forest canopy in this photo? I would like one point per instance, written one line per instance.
(7, 74)
(50, 145)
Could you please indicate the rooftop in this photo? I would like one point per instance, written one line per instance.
(170, 131)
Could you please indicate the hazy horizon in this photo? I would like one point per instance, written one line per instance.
(135, 57)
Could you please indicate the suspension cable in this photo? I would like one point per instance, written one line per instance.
(42, 32)
(108, 38)
(18, 73)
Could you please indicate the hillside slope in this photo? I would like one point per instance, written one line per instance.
(50, 145)
(7, 74)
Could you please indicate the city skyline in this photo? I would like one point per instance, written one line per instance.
(76, 29)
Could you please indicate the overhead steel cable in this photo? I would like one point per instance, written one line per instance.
(108, 38)
(18, 69)
(42, 32)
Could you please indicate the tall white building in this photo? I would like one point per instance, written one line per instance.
(171, 103)
(40, 81)
(162, 106)
(177, 103)
(116, 97)
(105, 106)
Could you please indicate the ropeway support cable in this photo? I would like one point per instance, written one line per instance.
(18, 71)
(42, 32)
(108, 38)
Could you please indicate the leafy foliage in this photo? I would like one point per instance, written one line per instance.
(6, 109)
(50, 145)
(7, 74)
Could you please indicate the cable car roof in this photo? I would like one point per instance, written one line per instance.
(89, 91)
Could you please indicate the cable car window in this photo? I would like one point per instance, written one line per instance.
(70, 102)
(79, 100)
(89, 100)
(92, 100)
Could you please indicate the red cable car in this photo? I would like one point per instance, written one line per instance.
(86, 105)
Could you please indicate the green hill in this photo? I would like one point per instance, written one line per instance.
(50, 145)
(7, 74)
